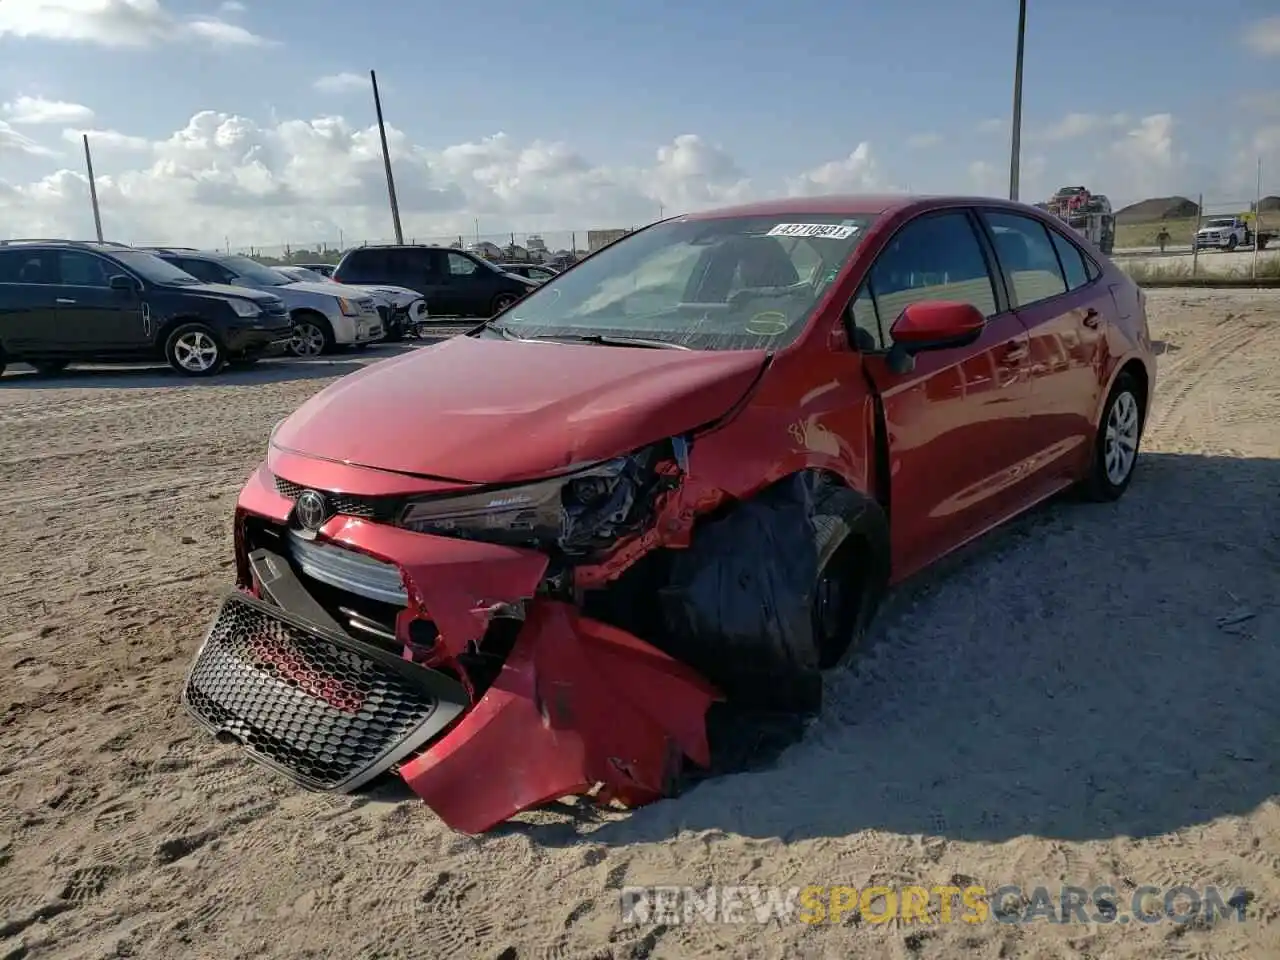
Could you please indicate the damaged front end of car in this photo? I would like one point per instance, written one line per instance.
(462, 639)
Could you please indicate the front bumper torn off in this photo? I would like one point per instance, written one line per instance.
(577, 704)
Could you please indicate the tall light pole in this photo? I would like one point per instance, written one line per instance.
(386, 160)
(93, 188)
(1015, 147)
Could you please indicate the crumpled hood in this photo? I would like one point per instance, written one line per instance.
(326, 289)
(497, 411)
(398, 296)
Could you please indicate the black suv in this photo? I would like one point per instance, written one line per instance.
(453, 282)
(63, 301)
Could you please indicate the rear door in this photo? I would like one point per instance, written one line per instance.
(1065, 314)
(28, 302)
(99, 321)
(956, 423)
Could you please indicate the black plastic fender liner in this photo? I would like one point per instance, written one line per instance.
(317, 705)
(739, 603)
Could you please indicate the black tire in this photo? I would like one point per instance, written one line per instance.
(189, 338)
(501, 302)
(779, 668)
(312, 335)
(1232, 244)
(50, 368)
(1103, 485)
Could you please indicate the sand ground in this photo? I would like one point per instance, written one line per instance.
(1071, 702)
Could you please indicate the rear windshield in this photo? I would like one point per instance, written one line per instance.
(734, 283)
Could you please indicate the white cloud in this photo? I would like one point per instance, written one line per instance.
(115, 23)
(36, 110)
(855, 173)
(920, 141)
(1145, 161)
(1075, 125)
(1263, 37)
(345, 82)
(231, 7)
(988, 180)
(11, 141)
(991, 125)
(224, 175)
(108, 139)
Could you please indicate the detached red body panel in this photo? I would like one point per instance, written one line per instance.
(578, 703)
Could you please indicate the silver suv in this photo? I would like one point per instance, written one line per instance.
(322, 319)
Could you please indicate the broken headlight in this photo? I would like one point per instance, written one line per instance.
(575, 511)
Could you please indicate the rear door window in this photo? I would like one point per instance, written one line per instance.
(1072, 261)
(1027, 256)
(204, 270)
(28, 266)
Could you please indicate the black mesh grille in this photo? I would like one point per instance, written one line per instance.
(367, 508)
(327, 711)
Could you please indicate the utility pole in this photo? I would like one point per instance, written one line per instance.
(1015, 147)
(1257, 219)
(386, 160)
(93, 188)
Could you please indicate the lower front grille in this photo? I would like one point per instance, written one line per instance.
(326, 710)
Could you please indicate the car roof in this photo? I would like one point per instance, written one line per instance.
(852, 205)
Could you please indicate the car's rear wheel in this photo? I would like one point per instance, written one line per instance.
(312, 336)
(49, 368)
(502, 301)
(194, 350)
(1116, 443)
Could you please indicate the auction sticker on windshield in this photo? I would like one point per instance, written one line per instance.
(827, 231)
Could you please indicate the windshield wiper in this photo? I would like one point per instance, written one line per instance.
(609, 340)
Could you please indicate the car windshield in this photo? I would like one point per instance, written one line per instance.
(152, 269)
(255, 271)
(733, 283)
(1221, 223)
(302, 273)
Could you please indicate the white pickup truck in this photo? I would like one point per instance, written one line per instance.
(1227, 233)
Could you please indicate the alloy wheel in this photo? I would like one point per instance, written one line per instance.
(195, 351)
(307, 340)
(1120, 447)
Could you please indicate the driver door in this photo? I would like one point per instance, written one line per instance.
(957, 423)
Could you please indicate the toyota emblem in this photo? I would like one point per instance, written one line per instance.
(312, 510)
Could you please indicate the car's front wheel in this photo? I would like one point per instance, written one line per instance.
(194, 350)
(312, 336)
(1115, 445)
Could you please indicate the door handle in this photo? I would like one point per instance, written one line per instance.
(1091, 319)
(63, 300)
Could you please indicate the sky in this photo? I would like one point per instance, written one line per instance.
(252, 124)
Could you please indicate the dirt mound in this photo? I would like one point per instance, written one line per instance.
(1157, 208)
(1269, 205)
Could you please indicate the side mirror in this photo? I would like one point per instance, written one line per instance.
(122, 281)
(932, 325)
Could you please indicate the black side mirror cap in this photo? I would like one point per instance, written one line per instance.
(124, 282)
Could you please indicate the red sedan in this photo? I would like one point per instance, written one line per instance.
(683, 471)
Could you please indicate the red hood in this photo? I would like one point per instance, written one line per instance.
(494, 411)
